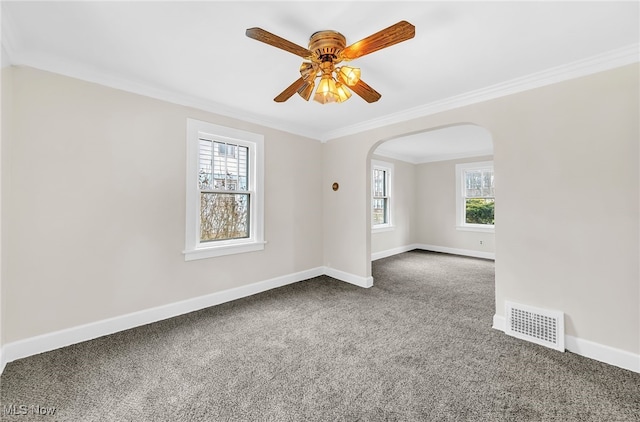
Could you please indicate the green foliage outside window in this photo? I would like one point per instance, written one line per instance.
(480, 211)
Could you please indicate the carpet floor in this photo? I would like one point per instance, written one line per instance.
(418, 346)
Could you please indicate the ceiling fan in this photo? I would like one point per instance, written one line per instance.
(326, 50)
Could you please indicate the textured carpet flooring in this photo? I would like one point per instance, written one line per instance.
(417, 346)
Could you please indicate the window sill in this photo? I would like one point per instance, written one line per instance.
(214, 251)
(490, 229)
(381, 229)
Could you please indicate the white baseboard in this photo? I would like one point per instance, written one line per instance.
(590, 349)
(46, 342)
(359, 281)
(499, 323)
(456, 251)
(390, 252)
(55, 340)
(433, 248)
(602, 353)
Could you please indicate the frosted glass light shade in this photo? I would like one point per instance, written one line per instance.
(306, 90)
(327, 91)
(349, 75)
(343, 93)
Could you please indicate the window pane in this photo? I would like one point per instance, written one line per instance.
(230, 166)
(487, 183)
(379, 185)
(379, 211)
(205, 178)
(478, 183)
(479, 211)
(243, 168)
(226, 149)
(473, 183)
(223, 216)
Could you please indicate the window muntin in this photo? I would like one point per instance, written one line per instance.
(225, 197)
(226, 149)
(381, 194)
(479, 196)
(225, 208)
(476, 195)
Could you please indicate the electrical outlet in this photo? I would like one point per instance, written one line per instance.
(481, 242)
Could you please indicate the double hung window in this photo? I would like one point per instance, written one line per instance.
(476, 196)
(224, 191)
(381, 194)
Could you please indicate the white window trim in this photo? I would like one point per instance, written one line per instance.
(194, 249)
(461, 224)
(388, 167)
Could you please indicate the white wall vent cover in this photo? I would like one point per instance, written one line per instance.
(540, 326)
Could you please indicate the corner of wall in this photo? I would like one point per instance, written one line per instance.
(356, 280)
(5, 113)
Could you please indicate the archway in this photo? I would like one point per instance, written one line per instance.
(424, 206)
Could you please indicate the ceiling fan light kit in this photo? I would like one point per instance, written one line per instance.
(326, 50)
(349, 75)
(327, 91)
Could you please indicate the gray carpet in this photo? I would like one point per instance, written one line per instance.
(417, 346)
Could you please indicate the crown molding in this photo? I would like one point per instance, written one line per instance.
(598, 63)
(433, 158)
(609, 60)
(49, 63)
(396, 156)
(90, 74)
(86, 73)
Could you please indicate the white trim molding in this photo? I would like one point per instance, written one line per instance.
(590, 349)
(357, 280)
(390, 252)
(388, 169)
(412, 159)
(457, 251)
(433, 248)
(55, 340)
(461, 197)
(197, 131)
(58, 339)
(599, 63)
(603, 353)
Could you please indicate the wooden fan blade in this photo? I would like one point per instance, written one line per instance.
(394, 34)
(289, 91)
(367, 93)
(260, 34)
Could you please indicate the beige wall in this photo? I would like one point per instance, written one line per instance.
(343, 227)
(93, 188)
(424, 209)
(403, 213)
(96, 205)
(566, 165)
(6, 91)
(436, 220)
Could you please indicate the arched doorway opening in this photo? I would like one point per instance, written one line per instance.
(433, 190)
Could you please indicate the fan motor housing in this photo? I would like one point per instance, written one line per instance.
(327, 45)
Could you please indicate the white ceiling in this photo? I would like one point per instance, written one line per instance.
(438, 145)
(196, 53)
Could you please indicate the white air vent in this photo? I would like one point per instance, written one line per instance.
(540, 326)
